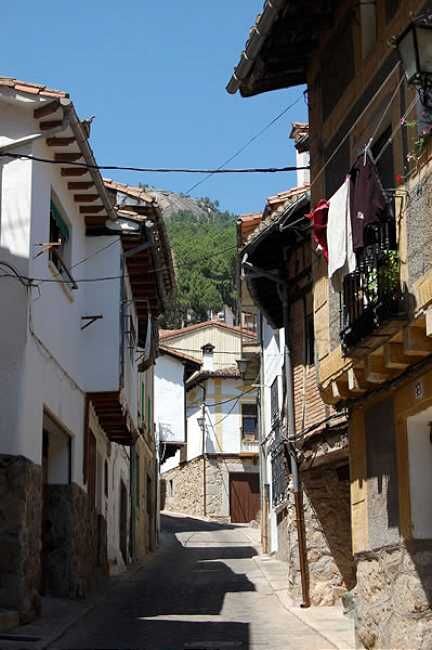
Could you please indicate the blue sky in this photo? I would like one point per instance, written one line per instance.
(154, 74)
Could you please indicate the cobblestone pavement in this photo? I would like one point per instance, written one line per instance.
(202, 590)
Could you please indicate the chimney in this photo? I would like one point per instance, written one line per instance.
(207, 351)
(300, 135)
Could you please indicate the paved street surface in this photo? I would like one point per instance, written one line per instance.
(202, 590)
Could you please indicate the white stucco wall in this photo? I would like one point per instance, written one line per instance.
(272, 367)
(420, 474)
(169, 399)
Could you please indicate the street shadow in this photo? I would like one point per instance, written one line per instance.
(171, 523)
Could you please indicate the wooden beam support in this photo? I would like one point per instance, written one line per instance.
(416, 343)
(91, 209)
(80, 185)
(74, 171)
(68, 157)
(375, 370)
(60, 142)
(86, 198)
(49, 124)
(356, 381)
(47, 108)
(394, 357)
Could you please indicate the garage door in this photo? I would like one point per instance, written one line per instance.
(244, 497)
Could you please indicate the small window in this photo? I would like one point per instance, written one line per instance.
(249, 420)
(171, 487)
(149, 495)
(106, 479)
(60, 245)
(274, 401)
(310, 340)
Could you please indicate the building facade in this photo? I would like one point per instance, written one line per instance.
(72, 326)
(372, 327)
(216, 474)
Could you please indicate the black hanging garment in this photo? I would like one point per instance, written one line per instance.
(368, 204)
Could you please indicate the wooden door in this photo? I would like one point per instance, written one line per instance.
(244, 497)
(123, 521)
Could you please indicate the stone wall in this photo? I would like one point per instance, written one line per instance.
(20, 535)
(330, 565)
(75, 546)
(182, 488)
(393, 597)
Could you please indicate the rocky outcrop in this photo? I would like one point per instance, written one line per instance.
(20, 535)
(393, 597)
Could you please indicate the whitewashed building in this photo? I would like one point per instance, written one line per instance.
(73, 322)
(216, 474)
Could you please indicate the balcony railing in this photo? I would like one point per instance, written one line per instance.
(280, 466)
(249, 445)
(372, 294)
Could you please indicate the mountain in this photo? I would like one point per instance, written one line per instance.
(203, 240)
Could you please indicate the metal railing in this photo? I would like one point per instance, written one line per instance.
(372, 294)
(280, 466)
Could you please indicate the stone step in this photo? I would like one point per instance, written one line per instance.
(9, 619)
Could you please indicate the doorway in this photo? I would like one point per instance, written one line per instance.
(244, 497)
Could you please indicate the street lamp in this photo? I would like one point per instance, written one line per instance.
(414, 46)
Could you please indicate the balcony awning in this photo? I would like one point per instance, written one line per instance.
(265, 251)
(113, 417)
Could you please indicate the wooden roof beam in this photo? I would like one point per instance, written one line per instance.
(57, 141)
(80, 185)
(48, 108)
(74, 171)
(91, 209)
(86, 198)
(68, 157)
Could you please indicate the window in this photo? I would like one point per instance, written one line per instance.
(132, 338)
(60, 245)
(171, 487)
(106, 478)
(335, 78)
(310, 340)
(249, 420)
(149, 495)
(274, 401)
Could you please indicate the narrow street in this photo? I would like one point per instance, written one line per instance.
(201, 590)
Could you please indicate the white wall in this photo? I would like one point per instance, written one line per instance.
(169, 399)
(272, 368)
(420, 473)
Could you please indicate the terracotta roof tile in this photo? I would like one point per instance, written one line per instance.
(230, 372)
(31, 87)
(168, 334)
(180, 355)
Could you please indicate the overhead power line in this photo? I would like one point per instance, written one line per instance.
(246, 145)
(158, 170)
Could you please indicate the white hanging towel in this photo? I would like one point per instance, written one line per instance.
(341, 257)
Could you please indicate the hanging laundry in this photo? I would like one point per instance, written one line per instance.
(367, 200)
(318, 218)
(341, 257)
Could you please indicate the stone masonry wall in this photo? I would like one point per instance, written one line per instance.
(75, 542)
(326, 501)
(20, 535)
(185, 493)
(393, 597)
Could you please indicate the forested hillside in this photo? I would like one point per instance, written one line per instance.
(204, 253)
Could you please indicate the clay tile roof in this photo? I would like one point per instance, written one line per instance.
(179, 355)
(246, 225)
(31, 88)
(230, 372)
(168, 334)
(134, 192)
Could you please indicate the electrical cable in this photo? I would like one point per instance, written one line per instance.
(159, 170)
(246, 145)
(226, 401)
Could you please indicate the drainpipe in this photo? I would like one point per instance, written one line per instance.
(297, 489)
